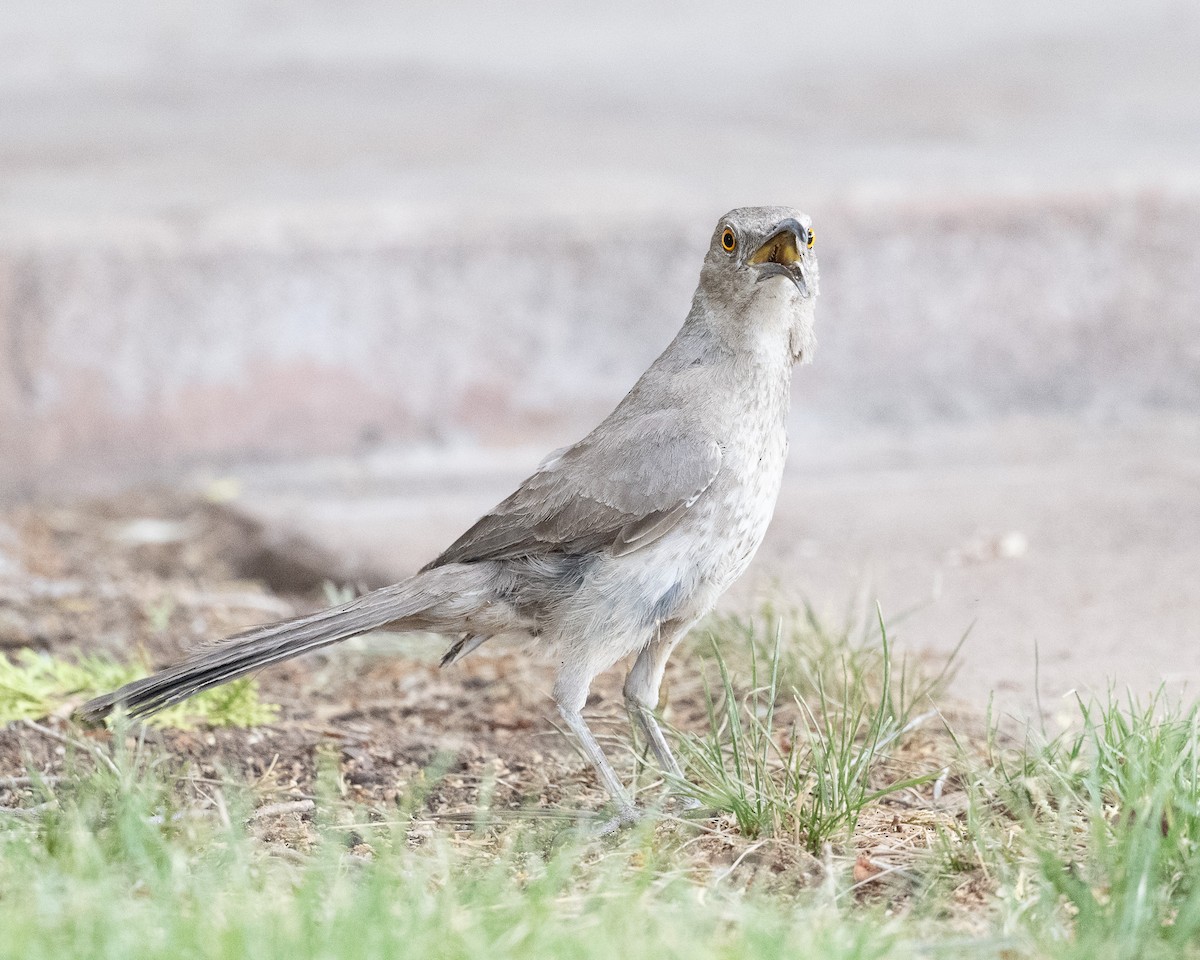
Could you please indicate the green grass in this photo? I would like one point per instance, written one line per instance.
(1081, 845)
(110, 872)
(33, 684)
(1095, 834)
(808, 777)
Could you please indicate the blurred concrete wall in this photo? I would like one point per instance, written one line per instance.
(121, 360)
(241, 231)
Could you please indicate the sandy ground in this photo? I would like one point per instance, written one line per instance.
(172, 130)
(395, 739)
(1070, 552)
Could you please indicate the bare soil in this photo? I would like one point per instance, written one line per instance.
(157, 575)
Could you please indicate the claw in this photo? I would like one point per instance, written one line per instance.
(626, 817)
(699, 812)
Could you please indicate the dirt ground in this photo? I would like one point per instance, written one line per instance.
(1067, 551)
(156, 576)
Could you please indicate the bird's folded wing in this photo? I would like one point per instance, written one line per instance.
(622, 487)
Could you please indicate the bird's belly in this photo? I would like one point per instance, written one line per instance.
(742, 516)
(714, 546)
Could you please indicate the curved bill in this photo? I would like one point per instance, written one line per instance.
(782, 255)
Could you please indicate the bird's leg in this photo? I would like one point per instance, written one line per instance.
(648, 723)
(570, 693)
(641, 697)
(626, 812)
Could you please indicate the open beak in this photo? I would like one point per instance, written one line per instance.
(782, 255)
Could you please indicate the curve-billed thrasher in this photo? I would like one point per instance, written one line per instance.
(618, 544)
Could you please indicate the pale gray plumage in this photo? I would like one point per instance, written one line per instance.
(618, 544)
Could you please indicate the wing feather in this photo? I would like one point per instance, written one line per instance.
(623, 486)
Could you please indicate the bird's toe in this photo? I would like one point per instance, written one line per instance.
(626, 816)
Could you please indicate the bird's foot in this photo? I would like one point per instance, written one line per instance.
(698, 811)
(626, 816)
(687, 807)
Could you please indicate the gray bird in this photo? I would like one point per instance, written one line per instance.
(617, 544)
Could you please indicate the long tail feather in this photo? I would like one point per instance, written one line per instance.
(273, 643)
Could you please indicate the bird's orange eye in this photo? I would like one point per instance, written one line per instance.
(728, 240)
(812, 238)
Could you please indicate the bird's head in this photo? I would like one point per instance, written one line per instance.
(761, 267)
